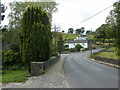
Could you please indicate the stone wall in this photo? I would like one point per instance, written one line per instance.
(107, 60)
(37, 68)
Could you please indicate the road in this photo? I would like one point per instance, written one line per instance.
(81, 72)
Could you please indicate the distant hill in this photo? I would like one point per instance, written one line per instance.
(68, 35)
(73, 36)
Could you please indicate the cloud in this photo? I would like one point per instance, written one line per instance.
(71, 12)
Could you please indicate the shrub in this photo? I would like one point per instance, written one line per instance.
(54, 54)
(11, 58)
(72, 49)
(78, 47)
(14, 47)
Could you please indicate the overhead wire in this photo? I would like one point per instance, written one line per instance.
(92, 16)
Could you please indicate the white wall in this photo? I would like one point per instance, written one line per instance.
(72, 45)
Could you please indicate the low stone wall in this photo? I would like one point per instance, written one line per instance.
(50, 62)
(37, 68)
(107, 60)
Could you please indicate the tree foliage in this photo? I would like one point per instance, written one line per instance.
(70, 30)
(80, 31)
(89, 32)
(11, 36)
(10, 58)
(113, 20)
(18, 7)
(78, 47)
(35, 36)
(60, 43)
(100, 33)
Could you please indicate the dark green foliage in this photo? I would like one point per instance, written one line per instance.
(113, 20)
(80, 31)
(14, 47)
(101, 33)
(72, 50)
(11, 58)
(54, 54)
(60, 43)
(117, 26)
(35, 36)
(70, 30)
(89, 32)
(18, 7)
(78, 47)
(11, 37)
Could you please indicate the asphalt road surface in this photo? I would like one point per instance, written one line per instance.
(81, 72)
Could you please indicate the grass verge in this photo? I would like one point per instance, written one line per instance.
(111, 55)
(14, 76)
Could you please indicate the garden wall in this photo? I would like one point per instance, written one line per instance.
(107, 60)
(37, 68)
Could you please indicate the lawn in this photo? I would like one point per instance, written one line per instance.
(14, 76)
(69, 36)
(112, 55)
(90, 36)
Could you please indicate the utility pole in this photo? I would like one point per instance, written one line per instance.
(91, 45)
(56, 29)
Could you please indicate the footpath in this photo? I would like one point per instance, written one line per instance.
(53, 78)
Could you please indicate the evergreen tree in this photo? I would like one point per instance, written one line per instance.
(35, 36)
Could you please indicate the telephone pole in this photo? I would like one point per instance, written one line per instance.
(91, 45)
(56, 29)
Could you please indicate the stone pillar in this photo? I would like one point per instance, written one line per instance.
(37, 68)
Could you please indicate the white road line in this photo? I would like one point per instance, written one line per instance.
(98, 69)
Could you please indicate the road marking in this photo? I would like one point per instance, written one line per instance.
(98, 69)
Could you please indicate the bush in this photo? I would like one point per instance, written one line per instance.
(54, 54)
(14, 47)
(72, 49)
(11, 58)
(78, 47)
(85, 49)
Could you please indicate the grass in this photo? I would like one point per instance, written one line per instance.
(112, 55)
(90, 36)
(14, 76)
(73, 36)
(69, 36)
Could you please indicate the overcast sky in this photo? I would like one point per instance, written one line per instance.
(72, 12)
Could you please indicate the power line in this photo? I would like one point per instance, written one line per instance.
(93, 16)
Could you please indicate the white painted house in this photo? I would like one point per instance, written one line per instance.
(82, 40)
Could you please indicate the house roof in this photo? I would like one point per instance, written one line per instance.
(77, 41)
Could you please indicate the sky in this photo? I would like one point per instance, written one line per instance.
(71, 12)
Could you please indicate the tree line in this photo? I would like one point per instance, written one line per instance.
(111, 30)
